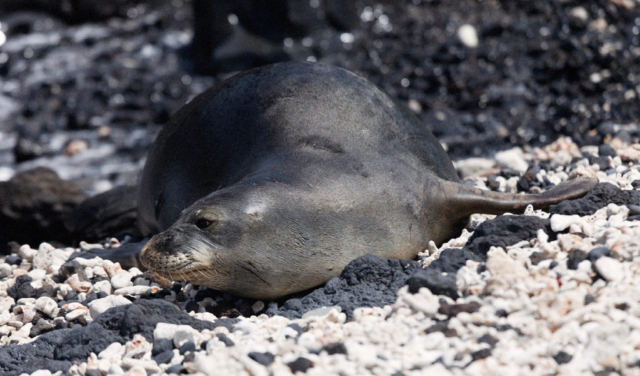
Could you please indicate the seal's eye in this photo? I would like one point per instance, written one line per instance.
(204, 224)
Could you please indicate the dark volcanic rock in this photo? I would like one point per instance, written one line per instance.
(57, 350)
(300, 365)
(367, 281)
(598, 197)
(22, 288)
(450, 260)
(32, 204)
(504, 231)
(435, 281)
(265, 358)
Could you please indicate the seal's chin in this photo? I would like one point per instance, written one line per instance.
(181, 263)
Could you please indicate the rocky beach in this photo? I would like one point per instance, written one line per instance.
(522, 95)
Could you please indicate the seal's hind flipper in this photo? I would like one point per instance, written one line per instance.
(464, 200)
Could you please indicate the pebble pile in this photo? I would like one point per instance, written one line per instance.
(541, 293)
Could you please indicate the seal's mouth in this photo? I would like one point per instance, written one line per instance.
(178, 264)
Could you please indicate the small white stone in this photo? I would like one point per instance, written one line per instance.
(257, 306)
(114, 351)
(73, 315)
(99, 271)
(121, 279)
(513, 159)
(5, 270)
(78, 285)
(580, 13)
(135, 272)
(115, 370)
(136, 370)
(111, 268)
(560, 222)
(609, 268)
(37, 274)
(468, 35)
(5, 316)
(320, 312)
(42, 372)
(90, 263)
(6, 302)
(133, 290)
(102, 286)
(26, 252)
(47, 306)
(98, 306)
(471, 166)
(44, 257)
(141, 282)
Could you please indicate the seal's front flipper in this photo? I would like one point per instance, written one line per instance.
(464, 200)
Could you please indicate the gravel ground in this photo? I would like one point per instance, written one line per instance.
(523, 94)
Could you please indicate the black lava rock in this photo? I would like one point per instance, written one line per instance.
(451, 260)
(70, 268)
(367, 281)
(13, 260)
(58, 349)
(598, 197)
(435, 281)
(161, 345)
(480, 354)
(295, 327)
(41, 326)
(300, 365)
(489, 339)
(562, 357)
(22, 288)
(605, 150)
(163, 357)
(188, 346)
(442, 327)
(598, 252)
(335, 348)
(265, 358)
(504, 231)
(226, 340)
(575, 258)
(454, 309)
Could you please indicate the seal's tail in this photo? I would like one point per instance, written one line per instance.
(469, 200)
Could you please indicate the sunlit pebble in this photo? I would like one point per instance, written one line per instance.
(580, 13)
(132, 12)
(468, 35)
(405, 82)
(75, 146)
(347, 38)
(288, 42)
(4, 57)
(367, 14)
(232, 18)
(311, 59)
(3, 38)
(6, 173)
(104, 131)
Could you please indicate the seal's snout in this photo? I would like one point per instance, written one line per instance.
(160, 247)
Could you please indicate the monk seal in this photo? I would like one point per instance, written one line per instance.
(273, 181)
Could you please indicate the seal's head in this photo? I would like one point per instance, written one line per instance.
(251, 239)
